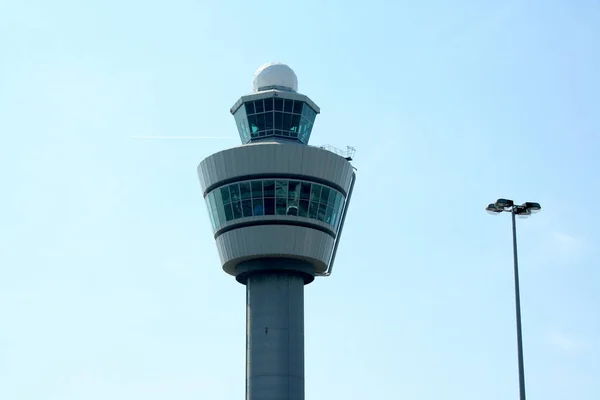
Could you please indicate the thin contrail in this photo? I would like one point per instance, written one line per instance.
(185, 137)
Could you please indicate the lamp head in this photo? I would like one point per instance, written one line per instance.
(493, 209)
(504, 203)
(532, 207)
(521, 211)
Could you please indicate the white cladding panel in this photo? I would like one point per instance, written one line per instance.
(270, 158)
(264, 241)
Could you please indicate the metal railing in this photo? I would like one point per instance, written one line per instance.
(348, 154)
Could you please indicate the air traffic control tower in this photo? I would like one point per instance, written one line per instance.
(277, 207)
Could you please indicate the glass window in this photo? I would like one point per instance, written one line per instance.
(321, 213)
(295, 124)
(234, 192)
(257, 189)
(278, 120)
(228, 212)
(280, 206)
(328, 214)
(298, 107)
(281, 189)
(217, 198)
(237, 209)
(334, 218)
(303, 210)
(260, 121)
(324, 195)
(220, 217)
(305, 111)
(278, 104)
(287, 122)
(308, 113)
(269, 187)
(303, 136)
(293, 189)
(332, 196)
(247, 208)
(225, 195)
(275, 117)
(315, 193)
(211, 213)
(257, 204)
(252, 120)
(305, 190)
(268, 104)
(269, 120)
(281, 197)
(242, 124)
(311, 115)
(312, 210)
(293, 197)
(269, 206)
(245, 190)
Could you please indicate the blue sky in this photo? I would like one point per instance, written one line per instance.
(110, 283)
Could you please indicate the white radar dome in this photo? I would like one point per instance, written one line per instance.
(275, 75)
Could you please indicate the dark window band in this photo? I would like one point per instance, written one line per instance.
(259, 197)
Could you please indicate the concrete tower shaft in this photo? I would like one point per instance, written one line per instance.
(277, 207)
(275, 336)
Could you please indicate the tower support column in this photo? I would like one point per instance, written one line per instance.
(275, 336)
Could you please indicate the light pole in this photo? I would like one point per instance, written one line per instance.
(524, 210)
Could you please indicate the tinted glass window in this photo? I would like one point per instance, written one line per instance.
(237, 209)
(288, 106)
(278, 120)
(252, 121)
(281, 206)
(298, 107)
(258, 206)
(275, 117)
(228, 212)
(247, 208)
(269, 206)
(269, 187)
(255, 198)
(278, 104)
(268, 104)
(294, 189)
(269, 121)
(281, 189)
(225, 195)
(257, 189)
(245, 190)
(234, 192)
(287, 122)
